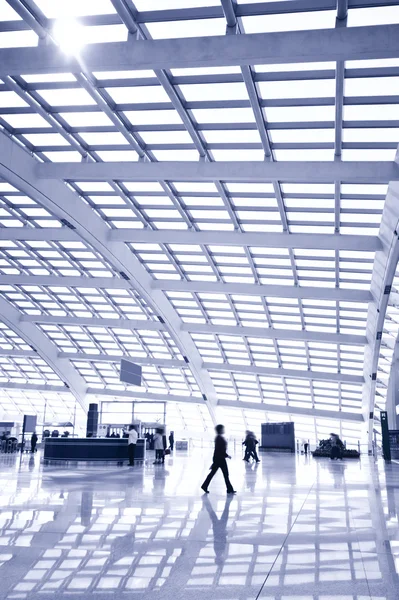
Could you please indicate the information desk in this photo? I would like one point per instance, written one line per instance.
(91, 449)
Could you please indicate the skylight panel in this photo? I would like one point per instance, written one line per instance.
(118, 155)
(138, 94)
(250, 188)
(223, 115)
(289, 21)
(302, 135)
(214, 91)
(381, 15)
(313, 88)
(75, 8)
(18, 39)
(165, 137)
(313, 155)
(153, 117)
(310, 66)
(362, 154)
(299, 113)
(63, 156)
(11, 100)
(180, 155)
(102, 34)
(46, 139)
(371, 134)
(185, 29)
(372, 86)
(109, 138)
(205, 71)
(370, 112)
(66, 97)
(86, 119)
(233, 136)
(239, 155)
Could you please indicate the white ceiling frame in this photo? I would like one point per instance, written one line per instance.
(18, 168)
(43, 348)
(253, 289)
(246, 171)
(242, 331)
(385, 265)
(355, 43)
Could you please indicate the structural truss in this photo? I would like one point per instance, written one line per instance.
(208, 188)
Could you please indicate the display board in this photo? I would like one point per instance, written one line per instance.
(278, 436)
(394, 443)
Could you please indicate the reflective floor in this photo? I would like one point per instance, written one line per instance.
(298, 529)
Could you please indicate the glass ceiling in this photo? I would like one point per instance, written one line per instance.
(304, 352)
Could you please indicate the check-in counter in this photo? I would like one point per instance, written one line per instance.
(91, 449)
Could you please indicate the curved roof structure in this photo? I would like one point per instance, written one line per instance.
(210, 189)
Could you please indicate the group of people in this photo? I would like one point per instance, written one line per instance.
(159, 444)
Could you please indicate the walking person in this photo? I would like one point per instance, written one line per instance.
(171, 441)
(158, 447)
(219, 462)
(133, 437)
(250, 444)
(33, 442)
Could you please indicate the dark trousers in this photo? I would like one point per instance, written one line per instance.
(306, 448)
(160, 455)
(251, 452)
(33, 446)
(215, 466)
(335, 453)
(132, 451)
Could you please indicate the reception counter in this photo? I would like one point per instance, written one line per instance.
(91, 449)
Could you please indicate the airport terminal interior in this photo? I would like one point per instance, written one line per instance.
(199, 226)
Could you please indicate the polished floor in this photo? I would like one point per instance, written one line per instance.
(298, 529)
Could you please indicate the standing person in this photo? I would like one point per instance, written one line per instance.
(336, 447)
(306, 447)
(171, 441)
(158, 447)
(219, 461)
(33, 442)
(133, 437)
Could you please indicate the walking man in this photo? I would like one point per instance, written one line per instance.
(33, 442)
(219, 461)
(133, 437)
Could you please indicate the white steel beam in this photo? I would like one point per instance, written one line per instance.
(115, 283)
(385, 264)
(46, 350)
(116, 358)
(16, 353)
(35, 387)
(248, 289)
(46, 234)
(145, 396)
(262, 332)
(354, 43)
(292, 410)
(253, 289)
(130, 324)
(19, 168)
(280, 372)
(306, 171)
(318, 241)
(277, 334)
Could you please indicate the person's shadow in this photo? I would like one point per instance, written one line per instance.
(219, 528)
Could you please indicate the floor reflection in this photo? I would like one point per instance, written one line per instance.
(299, 529)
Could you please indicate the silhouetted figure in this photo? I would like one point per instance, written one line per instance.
(33, 442)
(250, 444)
(133, 437)
(171, 441)
(337, 447)
(306, 448)
(159, 447)
(219, 461)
